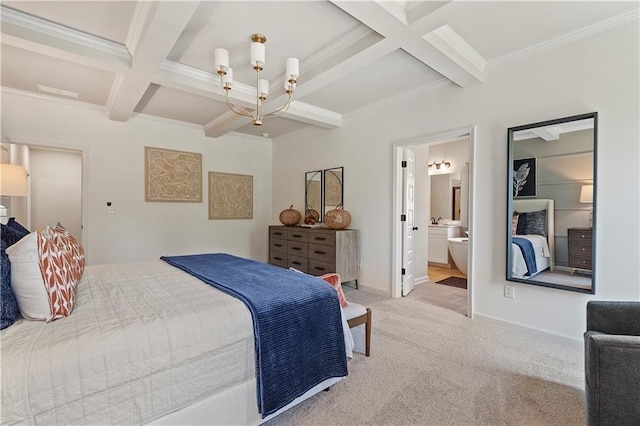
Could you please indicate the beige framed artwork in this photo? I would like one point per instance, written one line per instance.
(230, 196)
(172, 176)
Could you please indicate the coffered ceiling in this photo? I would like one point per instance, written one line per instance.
(156, 57)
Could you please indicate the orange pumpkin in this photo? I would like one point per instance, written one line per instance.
(337, 218)
(290, 216)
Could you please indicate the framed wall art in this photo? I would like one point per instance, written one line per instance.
(172, 176)
(524, 177)
(230, 196)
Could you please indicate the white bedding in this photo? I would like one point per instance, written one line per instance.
(540, 249)
(145, 339)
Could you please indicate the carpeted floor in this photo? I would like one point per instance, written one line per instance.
(432, 366)
(454, 282)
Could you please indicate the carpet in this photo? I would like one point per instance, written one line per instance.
(433, 367)
(454, 282)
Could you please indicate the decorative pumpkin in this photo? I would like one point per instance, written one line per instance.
(290, 216)
(337, 218)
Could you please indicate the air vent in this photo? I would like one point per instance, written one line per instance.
(55, 91)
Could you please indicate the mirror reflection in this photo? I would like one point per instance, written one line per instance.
(313, 194)
(551, 203)
(333, 188)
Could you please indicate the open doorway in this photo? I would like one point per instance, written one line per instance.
(453, 215)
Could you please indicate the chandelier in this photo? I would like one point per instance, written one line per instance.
(262, 85)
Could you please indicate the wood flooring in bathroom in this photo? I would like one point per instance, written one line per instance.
(452, 298)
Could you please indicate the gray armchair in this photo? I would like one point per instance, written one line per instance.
(612, 363)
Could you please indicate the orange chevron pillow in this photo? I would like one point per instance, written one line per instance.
(46, 267)
(334, 280)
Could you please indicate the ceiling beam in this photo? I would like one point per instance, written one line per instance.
(440, 53)
(159, 28)
(47, 38)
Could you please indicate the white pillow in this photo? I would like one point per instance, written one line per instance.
(26, 279)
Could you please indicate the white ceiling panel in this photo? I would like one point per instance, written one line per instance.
(19, 72)
(397, 72)
(178, 105)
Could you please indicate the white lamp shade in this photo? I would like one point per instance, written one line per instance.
(292, 68)
(257, 54)
(13, 181)
(586, 194)
(227, 79)
(221, 59)
(263, 87)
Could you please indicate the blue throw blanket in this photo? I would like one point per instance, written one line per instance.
(526, 247)
(296, 320)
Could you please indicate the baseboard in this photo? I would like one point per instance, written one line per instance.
(513, 324)
(421, 280)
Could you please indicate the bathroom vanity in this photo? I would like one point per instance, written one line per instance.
(439, 244)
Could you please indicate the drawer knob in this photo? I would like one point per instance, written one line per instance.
(278, 245)
(296, 248)
(297, 236)
(319, 252)
(319, 268)
(319, 238)
(295, 262)
(277, 258)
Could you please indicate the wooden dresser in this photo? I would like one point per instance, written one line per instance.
(580, 249)
(316, 251)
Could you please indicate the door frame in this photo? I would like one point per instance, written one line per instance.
(398, 147)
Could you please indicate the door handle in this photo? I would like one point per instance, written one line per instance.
(415, 228)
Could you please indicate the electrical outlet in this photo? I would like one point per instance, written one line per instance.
(359, 263)
(111, 210)
(509, 291)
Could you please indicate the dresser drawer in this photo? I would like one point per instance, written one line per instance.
(320, 252)
(298, 235)
(298, 248)
(577, 235)
(300, 263)
(324, 238)
(582, 262)
(278, 233)
(581, 248)
(317, 267)
(278, 245)
(278, 259)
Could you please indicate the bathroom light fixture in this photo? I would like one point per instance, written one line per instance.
(262, 85)
(439, 166)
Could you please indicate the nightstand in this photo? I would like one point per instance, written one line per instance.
(580, 249)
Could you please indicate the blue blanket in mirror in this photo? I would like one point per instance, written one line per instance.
(296, 319)
(527, 252)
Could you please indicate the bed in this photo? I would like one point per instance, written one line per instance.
(532, 247)
(149, 343)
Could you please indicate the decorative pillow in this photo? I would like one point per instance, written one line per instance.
(532, 223)
(514, 223)
(11, 235)
(11, 223)
(334, 280)
(46, 267)
(8, 306)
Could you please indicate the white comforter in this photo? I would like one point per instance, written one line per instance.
(540, 249)
(145, 339)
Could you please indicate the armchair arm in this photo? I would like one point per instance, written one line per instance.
(612, 379)
(614, 317)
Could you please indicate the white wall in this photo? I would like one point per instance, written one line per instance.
(114, 171)
(596, 73)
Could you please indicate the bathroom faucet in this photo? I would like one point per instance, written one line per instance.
(439, 219)
(433, 220)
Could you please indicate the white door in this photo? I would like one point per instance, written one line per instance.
(408, 227)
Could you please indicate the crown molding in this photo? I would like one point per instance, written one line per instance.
(569, 37)
(49, 29)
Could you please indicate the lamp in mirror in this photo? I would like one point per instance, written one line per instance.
(586, 196)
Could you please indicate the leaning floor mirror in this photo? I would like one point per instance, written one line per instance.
(552, 204)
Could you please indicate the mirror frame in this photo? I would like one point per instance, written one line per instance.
(324, 190)
(308, 177)
(510, 136)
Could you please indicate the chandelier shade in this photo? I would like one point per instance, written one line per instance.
(257, 61)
